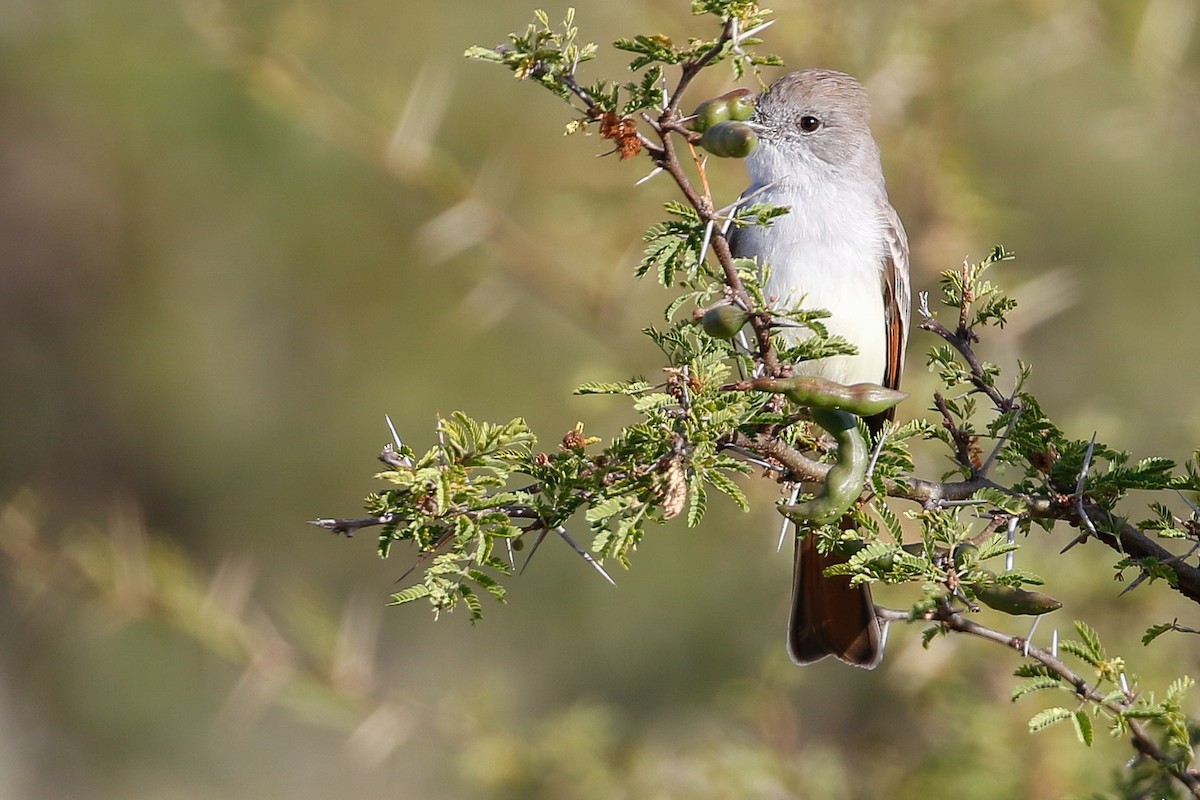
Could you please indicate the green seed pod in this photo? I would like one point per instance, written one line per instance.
(722, 320)
(741, 104)
(1012, 600)
(709, 113)
(729, 139)
(863, 399)
(844, 481)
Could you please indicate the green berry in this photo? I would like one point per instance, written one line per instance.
(709, 113)
(723, 320)
(729, 139)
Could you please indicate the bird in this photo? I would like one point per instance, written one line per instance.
(840, 247)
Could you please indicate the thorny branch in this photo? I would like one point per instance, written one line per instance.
(665, 155)
(1078, 510)
(964, 442)
(961, 340)
(1114, 532)
(1141, 740)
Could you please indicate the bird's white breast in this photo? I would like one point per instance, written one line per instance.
(827, 252)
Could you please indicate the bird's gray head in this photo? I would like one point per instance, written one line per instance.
(821, 118)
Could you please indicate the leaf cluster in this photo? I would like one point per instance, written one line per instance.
(550, 55)
(1111, 695)
(659, 49)
(449, 503)
(544, 53)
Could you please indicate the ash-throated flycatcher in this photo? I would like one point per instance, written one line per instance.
(841, 247)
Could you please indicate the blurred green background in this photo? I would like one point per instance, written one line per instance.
(233, 235)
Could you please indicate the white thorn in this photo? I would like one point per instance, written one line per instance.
(786, 521)
(1010, 557)
(1190, 505)
(1029, 636)
(883, 435)
(561, 531)
(653, 172)
(708, 230)
(392, 428)
(754, 30)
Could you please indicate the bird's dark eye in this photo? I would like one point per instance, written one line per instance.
(809, 124)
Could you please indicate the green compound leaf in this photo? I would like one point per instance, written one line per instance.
(1051, 716)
